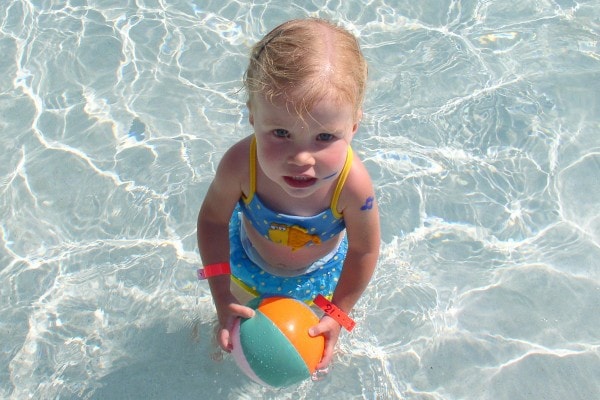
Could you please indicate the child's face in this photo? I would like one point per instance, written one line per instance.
(302, 154)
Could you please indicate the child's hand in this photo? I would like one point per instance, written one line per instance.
(228, 311)
(330, 329)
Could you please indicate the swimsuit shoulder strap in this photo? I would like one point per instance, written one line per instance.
(340, 183)
(252, 158)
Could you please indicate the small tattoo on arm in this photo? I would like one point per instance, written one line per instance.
(368, 203)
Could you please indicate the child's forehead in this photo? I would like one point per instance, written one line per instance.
(325, 111)
(302, 103)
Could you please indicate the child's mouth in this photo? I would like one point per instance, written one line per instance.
(299, 181)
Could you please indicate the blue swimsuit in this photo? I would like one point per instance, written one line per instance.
(254, 275)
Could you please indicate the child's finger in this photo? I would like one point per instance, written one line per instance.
(241, 311)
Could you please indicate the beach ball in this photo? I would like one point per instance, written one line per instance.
(274, 348)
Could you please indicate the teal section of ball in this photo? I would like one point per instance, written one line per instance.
(269, 353)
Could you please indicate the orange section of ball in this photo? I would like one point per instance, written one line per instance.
(294, 318)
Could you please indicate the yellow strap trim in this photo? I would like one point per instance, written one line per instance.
(340, 182)
(244, 287)
(255, 293)
(248, 199)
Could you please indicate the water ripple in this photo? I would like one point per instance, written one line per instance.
(480, 133)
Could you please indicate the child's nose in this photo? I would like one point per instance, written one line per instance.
(302, 158)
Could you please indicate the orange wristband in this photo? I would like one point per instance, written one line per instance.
(214, 270)
(334, 312)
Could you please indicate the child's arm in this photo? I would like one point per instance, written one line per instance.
(213, 234)
(362, 227)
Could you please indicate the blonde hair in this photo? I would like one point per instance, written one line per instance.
(304, 61)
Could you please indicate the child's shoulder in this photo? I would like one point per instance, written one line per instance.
(239, 151)
(235, 162)
(358, 177)
(358, 185)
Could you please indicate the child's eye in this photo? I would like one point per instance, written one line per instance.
(281, 133)
(325, 137)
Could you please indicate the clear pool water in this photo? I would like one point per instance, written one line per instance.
(481, 132)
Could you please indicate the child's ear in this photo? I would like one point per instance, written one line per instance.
(250, 114)
(357, 119)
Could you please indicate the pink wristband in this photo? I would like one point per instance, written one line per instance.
(334, 312)
(214, 270)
